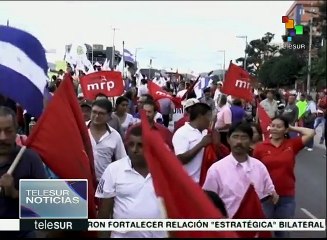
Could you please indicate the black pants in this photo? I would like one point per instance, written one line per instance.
(165, 119)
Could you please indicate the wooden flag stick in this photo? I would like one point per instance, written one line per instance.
(15, 162)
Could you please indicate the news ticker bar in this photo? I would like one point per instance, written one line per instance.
(163, 224)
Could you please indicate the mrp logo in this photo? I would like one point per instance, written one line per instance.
(108, 83)
(101, 84)
(242, 84)
(53, 198)
(162, 94)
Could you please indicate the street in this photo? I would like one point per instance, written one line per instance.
(311, 187)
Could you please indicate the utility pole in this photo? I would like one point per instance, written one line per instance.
(309, 57)
(224, 52)
(246, 45)
(113, 49)
(150, 68)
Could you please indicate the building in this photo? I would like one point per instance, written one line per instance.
(302, 12)
(299, 11)
(98, 53)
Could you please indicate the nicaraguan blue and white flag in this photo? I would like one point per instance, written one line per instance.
(203, 83)
(23, 69)
(128, 56)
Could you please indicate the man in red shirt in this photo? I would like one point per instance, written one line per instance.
(150, 108)
(189, 102)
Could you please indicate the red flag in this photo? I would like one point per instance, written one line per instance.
(251, 208)
(191, 88)
(61, 138)
(212, 153)
(237, 83)
(158, 93)
(109, 83)
(264, 121)
(183, 198)
(209, 158)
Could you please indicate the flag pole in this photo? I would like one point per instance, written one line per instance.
(123, 72)
(15, 162)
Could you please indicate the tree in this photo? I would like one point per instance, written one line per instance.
(318, 69)
(282, 70)
(258, 51)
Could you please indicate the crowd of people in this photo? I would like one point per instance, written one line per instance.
(125, 185)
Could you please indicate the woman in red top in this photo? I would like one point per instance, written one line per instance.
(278, 154)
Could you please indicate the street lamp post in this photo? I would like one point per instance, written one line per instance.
(113, 48)
(309, 58)
(150, 67)
(246, 45)
(224, 52)
(310, 51)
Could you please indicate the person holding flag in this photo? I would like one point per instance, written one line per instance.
(190, 140)
(29, 167)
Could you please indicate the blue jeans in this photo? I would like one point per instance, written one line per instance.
(318, 121)
(311, 126)
(293, 134)
(284, 209)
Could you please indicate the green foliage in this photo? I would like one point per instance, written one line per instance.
(318, 69)
(258, 51)
(282, 70)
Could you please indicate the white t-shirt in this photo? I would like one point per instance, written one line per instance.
(134, 196)
(184, 139)
(129, 120)
(158, 116)
(109, 146)
(143, 89)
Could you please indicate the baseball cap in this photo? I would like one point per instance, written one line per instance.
(190, 102)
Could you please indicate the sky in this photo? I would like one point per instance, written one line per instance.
(180, 35)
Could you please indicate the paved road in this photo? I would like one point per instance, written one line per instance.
(311, 186)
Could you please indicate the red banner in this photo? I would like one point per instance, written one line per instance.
(109, 83)
(237, 83)
(264, 121)
(158, 93)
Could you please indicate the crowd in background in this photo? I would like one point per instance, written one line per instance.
(115, 133)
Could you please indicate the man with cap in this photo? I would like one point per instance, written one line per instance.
(187, 104)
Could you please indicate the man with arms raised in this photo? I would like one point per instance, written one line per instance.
(190, 140)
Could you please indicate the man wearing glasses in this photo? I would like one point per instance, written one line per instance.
(106, 142)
